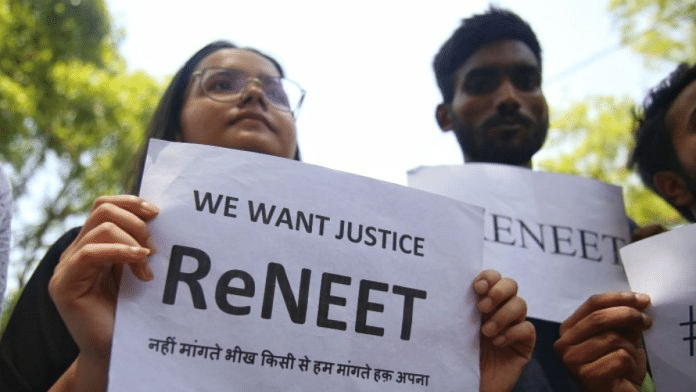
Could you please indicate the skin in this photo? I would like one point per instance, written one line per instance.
(85, 283)
(249, 124)
(680, 120)
(601, 342)
(503, 122)
(507, 340)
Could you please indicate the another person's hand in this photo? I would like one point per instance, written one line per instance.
(84, 286)
(601, 343)
(507, 340)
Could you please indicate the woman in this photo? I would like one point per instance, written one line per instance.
(223, 96)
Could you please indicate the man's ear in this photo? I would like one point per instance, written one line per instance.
(443, 116)
(673, 188)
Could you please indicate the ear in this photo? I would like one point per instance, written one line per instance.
(443, 116)
(673, 188)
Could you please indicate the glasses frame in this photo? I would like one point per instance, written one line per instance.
(198, 75)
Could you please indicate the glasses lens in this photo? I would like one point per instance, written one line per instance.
(223, 84)
(525, 78)
(482, 80)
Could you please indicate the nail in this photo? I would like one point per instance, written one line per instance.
(481, 287)
(149, 207)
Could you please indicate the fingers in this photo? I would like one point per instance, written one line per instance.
(130, 213)
(80, 272)
(597, 302)
(597, 347)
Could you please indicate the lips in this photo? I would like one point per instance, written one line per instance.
(250, 115)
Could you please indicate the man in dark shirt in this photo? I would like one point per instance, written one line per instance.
(489, 74)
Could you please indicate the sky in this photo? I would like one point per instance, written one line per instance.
(366, 65)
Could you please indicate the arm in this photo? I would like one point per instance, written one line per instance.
(507, 340)
(84, 286)
(601, 344)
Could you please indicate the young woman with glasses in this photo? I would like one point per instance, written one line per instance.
(223, 96)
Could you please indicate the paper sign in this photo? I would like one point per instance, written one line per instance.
(664, 267)
(274, 275)
(557, 235)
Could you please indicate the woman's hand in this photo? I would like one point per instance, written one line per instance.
(601, 345)
(507, 340)
(84, 286)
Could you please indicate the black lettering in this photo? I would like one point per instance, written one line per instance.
(557, 240)
(322, 220)
(401, 244)
(230, 206)
(497, 228)
(207, 199)
(302, 220)
(616, 243)
(296, 309)
(585, 244)
(370, 234)
(364, 305)
(326, 299)
(525, 229)
(384, 233)
(418, 246)
(341, 228)
(284, 218)
(254, 215)
(350, 229)
(175, 275)
(223, 290)
(409, 294)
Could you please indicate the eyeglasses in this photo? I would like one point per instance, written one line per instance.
(225, 84)
(485, 80)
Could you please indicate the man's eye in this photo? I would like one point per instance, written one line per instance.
(481, 81)
(526, 79)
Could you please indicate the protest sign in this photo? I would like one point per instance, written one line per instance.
(272, 275)
(663, 266)
(557, 235)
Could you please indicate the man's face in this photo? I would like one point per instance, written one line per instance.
(498, 112)
(680, 120)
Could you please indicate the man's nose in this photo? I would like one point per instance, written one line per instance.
(508, 97)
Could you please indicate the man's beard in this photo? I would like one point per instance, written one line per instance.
(491, 151)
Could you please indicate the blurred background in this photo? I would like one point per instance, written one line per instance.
(80, 79)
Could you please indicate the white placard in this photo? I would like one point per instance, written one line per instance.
(664, 267)
(557, 235)
(269, 293)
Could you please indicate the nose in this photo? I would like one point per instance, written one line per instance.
(508, 99)
(253, 93)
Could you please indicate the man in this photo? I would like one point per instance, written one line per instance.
(489, 74)
(601, 341)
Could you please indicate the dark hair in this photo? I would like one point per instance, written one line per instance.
(654, 150)
(494, 25)
(166, 120)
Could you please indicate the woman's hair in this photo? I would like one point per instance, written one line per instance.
(166, 120)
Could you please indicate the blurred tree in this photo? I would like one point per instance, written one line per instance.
(593, 138)
(658, 29)
(71, 117)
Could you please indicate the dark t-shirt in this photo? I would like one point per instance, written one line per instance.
(36, 347)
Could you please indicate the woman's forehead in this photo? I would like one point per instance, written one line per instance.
(246, 60)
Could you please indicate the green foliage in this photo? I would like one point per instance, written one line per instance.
(658, 29)
(70, 114)
(593, 138)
